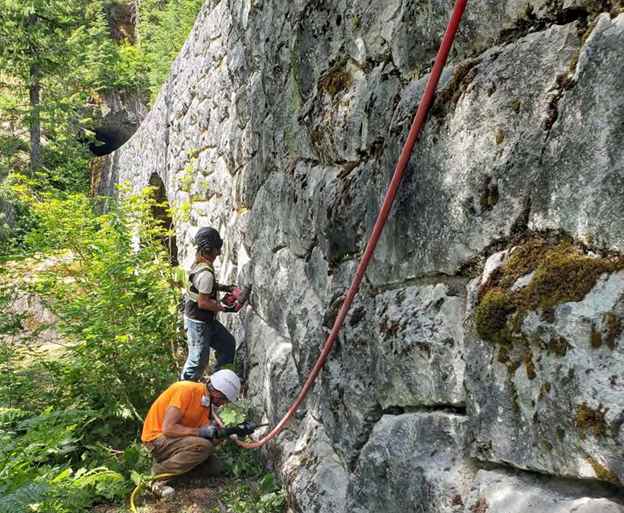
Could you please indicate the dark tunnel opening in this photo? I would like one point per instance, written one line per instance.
(108, 139)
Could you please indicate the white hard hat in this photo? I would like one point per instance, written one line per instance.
(226, 382)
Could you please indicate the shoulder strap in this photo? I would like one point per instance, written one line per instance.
(200, 269)
(191, 292)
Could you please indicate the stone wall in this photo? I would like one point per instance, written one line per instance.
(480, 369)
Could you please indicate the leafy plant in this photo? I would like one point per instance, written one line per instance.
(108, 282)
(36, 456)
(265, 498)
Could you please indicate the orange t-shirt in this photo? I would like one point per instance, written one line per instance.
(185, 395)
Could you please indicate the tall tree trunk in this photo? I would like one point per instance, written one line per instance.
(137, 21)
(35, 119)
(35, 101)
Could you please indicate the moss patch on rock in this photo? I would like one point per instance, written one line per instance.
(337, 79)
(447, 99)
(588, 418)
(602, 472)
(615, 326)
(561, 273)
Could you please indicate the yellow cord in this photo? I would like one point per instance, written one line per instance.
(138, 487)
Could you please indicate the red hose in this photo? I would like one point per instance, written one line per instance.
(419, 121)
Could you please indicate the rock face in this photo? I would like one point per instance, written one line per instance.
(486, 344)
(116, 115)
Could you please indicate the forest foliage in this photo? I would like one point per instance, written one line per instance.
(57, 59)
(71, 408)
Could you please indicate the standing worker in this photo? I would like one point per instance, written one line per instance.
(178, 431)
(204, 331)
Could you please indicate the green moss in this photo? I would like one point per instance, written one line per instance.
(589, 419)
(513, 394)
(503, 355)
(562, 274)
(558, 346)
(565, 275)
(602, 472)
(447, 100)
(335, 81)
(574, 61)
(499, 136)
(530, 366)
(547, 445)
(515, 105)
(615, 326)
(492, 314)
(590, 29)
(522, 261)
(595, 339)
(560, 432)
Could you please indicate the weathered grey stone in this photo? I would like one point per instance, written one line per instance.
(581, 186)
(273, 381)
(554, 403)
(503, 492)
(422, 456)
(420, 347)
(476, 159)
(402, 349)
(317, 481)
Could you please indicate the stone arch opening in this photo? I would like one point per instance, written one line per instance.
(108, 139)
(161, 214)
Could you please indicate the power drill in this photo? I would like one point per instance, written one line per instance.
(237, 295)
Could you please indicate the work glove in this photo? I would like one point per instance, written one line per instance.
(214, 431)
(211, 431)
(233, 308)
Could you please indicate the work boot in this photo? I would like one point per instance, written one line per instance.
(161, 489)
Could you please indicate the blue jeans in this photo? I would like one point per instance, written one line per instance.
(201, 337)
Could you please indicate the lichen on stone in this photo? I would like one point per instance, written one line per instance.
(588, 418)
(602, 472)
(615, 326)
(337, 79)
(447, 99)
(595, 338)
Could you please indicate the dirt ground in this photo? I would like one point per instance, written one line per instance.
(199, 495)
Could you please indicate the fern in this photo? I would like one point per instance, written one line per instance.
(36, 455)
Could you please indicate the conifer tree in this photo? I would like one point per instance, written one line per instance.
(34, 35)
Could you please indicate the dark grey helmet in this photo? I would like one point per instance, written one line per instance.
(207, 239)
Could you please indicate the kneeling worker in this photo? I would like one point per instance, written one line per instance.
(178, 431)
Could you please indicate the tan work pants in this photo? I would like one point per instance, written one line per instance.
(178, 455)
